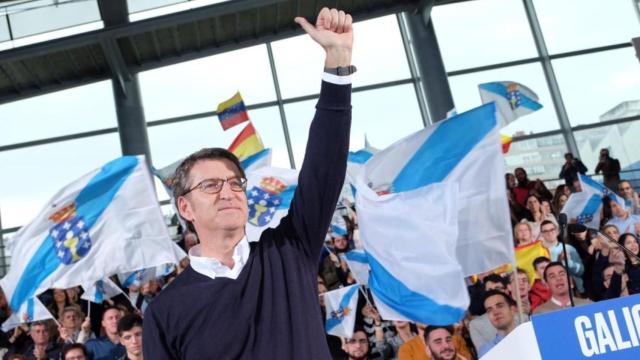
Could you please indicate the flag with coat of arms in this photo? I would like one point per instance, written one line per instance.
(109, 221)
(512, 100)
(341, 305)
(269, 194)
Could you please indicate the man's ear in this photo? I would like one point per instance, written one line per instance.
(184, 207)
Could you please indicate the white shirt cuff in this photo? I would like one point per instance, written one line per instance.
(335, 79)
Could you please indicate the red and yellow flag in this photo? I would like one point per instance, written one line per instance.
(246, 143)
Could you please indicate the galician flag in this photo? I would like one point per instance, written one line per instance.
(269, 194)
(108, 221)
(100, 291)
(512, 99)
(341, 306)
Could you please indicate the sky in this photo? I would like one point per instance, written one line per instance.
(470, 34)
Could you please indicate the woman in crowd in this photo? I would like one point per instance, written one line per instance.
(632, 264)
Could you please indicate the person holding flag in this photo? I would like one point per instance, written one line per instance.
(258, 300)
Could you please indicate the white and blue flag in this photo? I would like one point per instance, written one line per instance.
(358, 264)
(410, 241)
(512, 99)
(584, 207)
(260, 159)
(464, 149)
(31, 310)
(355, 165)
(269, 194)
(100, 291)
(341, 306)
(108, 221)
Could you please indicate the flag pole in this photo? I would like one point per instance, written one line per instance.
(365, 296)
(517, 290)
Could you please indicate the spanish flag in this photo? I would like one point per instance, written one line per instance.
(506, 143)
(232, 112)
(246, 143)
(525, 254)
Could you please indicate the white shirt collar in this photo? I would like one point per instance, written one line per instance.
(213, 268)
(557, 302)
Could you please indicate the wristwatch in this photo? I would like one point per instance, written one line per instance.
(341, 70)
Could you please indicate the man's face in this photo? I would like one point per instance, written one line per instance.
(523, 284)
(340, 243)
(557, 281)
(132, 340)
(549, 233)
(523, 234)
(520, 175)
(604, 153)
(440, 345)
(499, 311)
(110, 321)
(358, 346)
(40, 335)
(75, 354)
(625, 190)
(70, 319)
(226, 210)
(540, 268)
(568, 158)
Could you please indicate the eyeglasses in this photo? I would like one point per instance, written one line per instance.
(214, 186)
(354, 341)
(547, 231)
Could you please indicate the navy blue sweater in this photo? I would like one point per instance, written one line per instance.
(271, 310)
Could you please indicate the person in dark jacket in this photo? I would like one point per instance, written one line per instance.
(571, 168)
(259, 300)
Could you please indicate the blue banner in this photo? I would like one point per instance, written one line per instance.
(601, 331)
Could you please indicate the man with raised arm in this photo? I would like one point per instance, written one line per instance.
(259, 300)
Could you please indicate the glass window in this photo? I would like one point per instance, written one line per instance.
(79, 109)
(477, 33)
(39, 16)
(4, 29)
(467, 96)
(383, 116)
(612, 78)
(200, 85)
(41, 171)
(171, 142)
(542, 157)
(620, 139)
(580, 24)
(379, 55)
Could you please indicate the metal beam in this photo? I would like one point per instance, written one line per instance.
(552, 82)
(117, 65)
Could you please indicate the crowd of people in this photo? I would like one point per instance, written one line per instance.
(235, 299)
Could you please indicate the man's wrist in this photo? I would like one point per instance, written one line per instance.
(337, 56)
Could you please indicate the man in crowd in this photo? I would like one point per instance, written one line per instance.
(258, 300)
(630, 196)
(43, 347)
(71, 331)
(540, 292)
(610, 168)
(549, 232)
(521, 191)
(555, 274)
(333, 269)
(439, 343)
(622, 219)
(480, 328)
(520, 278)
(571, 168)
(357, 348)
(74, 352)
(130, 332)
(107, 347)
(502, 311)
